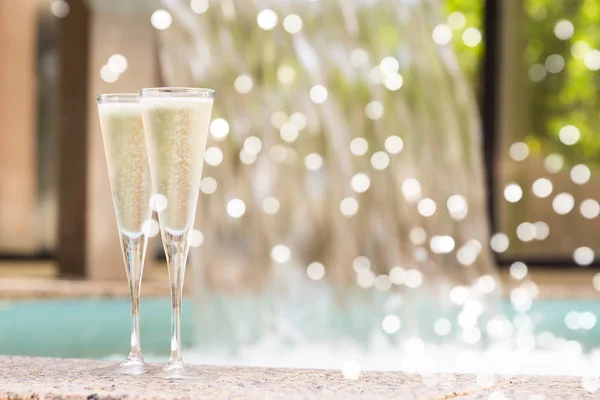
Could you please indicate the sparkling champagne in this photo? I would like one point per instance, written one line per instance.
(176, 134)
(127, 161)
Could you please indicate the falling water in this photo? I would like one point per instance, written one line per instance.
(343, 195)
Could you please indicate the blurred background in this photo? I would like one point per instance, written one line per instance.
(364, 154)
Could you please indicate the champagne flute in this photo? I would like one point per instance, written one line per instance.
(176, 122)
(129, 175)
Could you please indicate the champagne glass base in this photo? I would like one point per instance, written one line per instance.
(127, 367)
(184, 372)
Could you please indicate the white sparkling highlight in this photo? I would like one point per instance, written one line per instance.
(518, 151)
(208, 185)
(243, 84)
(213, 156)
(236, 208)
(219, 129)
(580, 174)
(292, 24)
(349, 206)
(318, 94)
(518, 270)
(359, 146)
(391, 324)
(380, 160)
(360, 182)
(471, 37)
(426, 207)
(564, 29)
(374, 110)
(589, 208)
(315, 271)
(270, 205)
(161, 19)
(563, 203)
(542, 188)
(499, 242)
(569, 135)
(281, 253)
(394, 144)
(267, 19)
(442, 34)
(411, 189)
(513, 193)
(313, 162)
(583, 256)
(118, 63)
(554, 163)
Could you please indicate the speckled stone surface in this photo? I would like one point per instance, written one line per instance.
(48, 378)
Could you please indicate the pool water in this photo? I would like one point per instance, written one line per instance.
(99, 328)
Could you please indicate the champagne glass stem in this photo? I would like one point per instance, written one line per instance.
(176, 249)
(134, 250)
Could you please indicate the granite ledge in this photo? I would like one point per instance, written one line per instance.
(70, 379)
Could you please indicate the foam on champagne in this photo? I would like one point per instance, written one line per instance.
(127, 161)
(176, 133)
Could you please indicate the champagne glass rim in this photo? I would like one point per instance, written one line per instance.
(177, 92)
(117, 98)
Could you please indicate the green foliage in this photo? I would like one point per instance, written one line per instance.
(568, 97)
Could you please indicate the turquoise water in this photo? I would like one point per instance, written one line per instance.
(96, 328)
